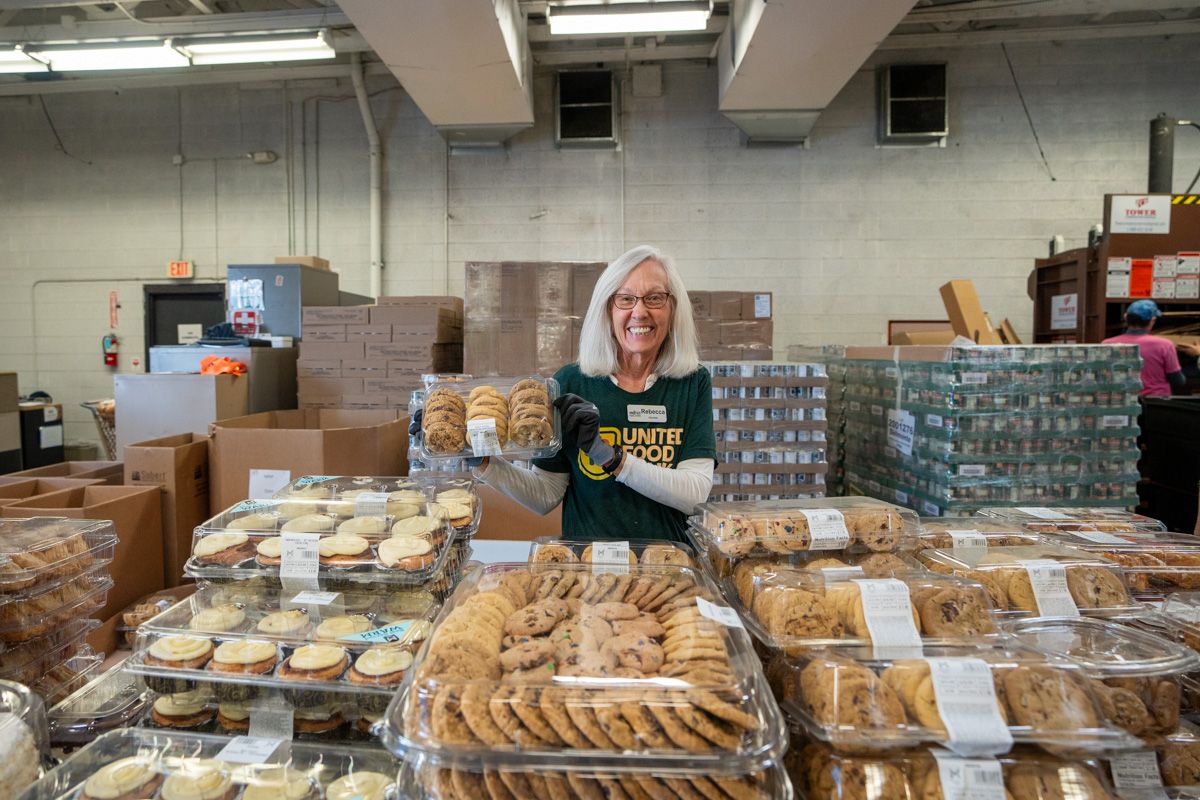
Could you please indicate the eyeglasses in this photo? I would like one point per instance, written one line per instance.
(652, 300)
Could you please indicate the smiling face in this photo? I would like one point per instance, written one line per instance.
(641, 331)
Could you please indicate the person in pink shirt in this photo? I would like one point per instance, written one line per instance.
(1162, 375)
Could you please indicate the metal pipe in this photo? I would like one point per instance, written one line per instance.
(1162, 154)
(376, 151)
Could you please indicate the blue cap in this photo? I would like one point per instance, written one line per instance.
(1145, 310)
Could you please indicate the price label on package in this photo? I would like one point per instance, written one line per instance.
(969, 545)
(483, 437)
(266, 482)
(300, 557)
(827, 528)
(610, 557)
(250, 749)
(887, 609)
(370, 504)
(315, 598)
(841, 574)
(1100, 537)
(969, 778)
(1038, 512)
(722, 614)
(966, 702)
(1136, 775)
(1049, 581)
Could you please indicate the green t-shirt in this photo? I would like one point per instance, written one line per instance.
(596, 506)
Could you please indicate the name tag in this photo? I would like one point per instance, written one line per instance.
(647, 413)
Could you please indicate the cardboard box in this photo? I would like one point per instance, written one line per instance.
(179, 465)
(110, 472)
(304, 442)
(153, 405)
(369, 333)
(708, 332)
(966, 314)
(747, 333)
(725, 305)
(396, 384)
(424, 301)
(404, 351)
(316, 262)
(441, 358)
(444, 329)
(366, 401)
(320, 401)
(413, 316)
(508, 519)
(329, 351)
(109, 639)
(328, 386)
(330, 368)
(10, 431)
(757, 305)
(13, 490)
(327, 315)
(366, 368)
(923, 337)
(501, 347)
(719, 353)
(136, 513)
(583, 283)
(9, 394)
(323, 333)
(701, 304)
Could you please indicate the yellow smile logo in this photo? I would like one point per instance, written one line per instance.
(590, 468)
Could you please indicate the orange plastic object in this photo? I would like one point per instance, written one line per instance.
(221, 365)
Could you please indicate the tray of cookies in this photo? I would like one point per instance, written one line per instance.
(738, 586)
(555, 666)
(35, 551)
(26, 661)
(797, 610)
(626, 552)
(250, 539)
(1048, 520)
(973, 533)
(449, 497)
(512, 417)
(972, 700)
(1040, 580)
(39, 612)
(1152, 568)
(145, 763)
(821, 773)
(316, 647)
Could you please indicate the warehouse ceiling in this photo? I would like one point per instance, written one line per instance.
(468, 63)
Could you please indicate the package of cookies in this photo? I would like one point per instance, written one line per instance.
(549, 665)
(512, 417)
(821, 773)
(27, 661)
(1153, 568)
(145, 763)
(611, 554)
(1106, 520)
(40, 612)
(1177, 756)
(35, 551)
(972, 700)
(450, 497)
(973, 533)
(794, 610)
(343, 545)
(1040, 580)
(1136, 675)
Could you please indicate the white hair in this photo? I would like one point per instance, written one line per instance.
(677, 358)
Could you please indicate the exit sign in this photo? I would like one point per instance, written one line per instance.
(179, 269)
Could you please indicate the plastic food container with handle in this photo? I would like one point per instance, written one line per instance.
(514, 417)
(36, 551)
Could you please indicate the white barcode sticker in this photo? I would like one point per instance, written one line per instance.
(300, 556)
(887, 609)
(1114, 421)
(1040, 512)
(972, 470)
(1100, 537)
(483, 437)
(308, 598)
(933, 420)
(610, 557)
(974, 378)
(969, 778)
(250, 749)
(270, 718)
(827, 528)
(1137, 771)
(370, 504)
(1049, 581)
(722, 614)
(841, 574)
(969, 545)
(966, 701)
(266, 482)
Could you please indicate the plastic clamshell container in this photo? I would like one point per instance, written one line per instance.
(35, 551)
(796, 610)
(260, 630)
(421, 781)
(344, 495)
(69, 676)
(169, 756)
(1152, 568)
(25, 663)
(1041, 519)
(1096, 586)
(455, 423)
(548, 550)
(25, 707)
(782, 527)
(442, 710)
(967, 533)
(53, 605)
(820, 773)
(858, 703)
(246, 541)
(114, 700)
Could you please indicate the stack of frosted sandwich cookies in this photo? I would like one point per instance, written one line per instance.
(485, 402)
(529, 414)
(444, 422)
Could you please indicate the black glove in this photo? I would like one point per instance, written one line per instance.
(414, 426)
(581, 428)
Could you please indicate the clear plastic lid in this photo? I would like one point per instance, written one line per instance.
(139, 762)
(968, 533)
(1039, 518)
(848, 698)
(738, 582)
(555, 666)
(391, 542)
(348, 496)
(25, 662)
(1152, 568)
(114, 700)
(795, 526)
(1106, 649)
(796, 610)
(69, 676)
(821, 773)
(1042, 580)
(39, 550)
(513, 417)
(38, 614)
(647, 552)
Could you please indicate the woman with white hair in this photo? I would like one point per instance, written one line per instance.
(638, 447)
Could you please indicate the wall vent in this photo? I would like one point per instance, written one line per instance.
(585, 107)
(912, 104)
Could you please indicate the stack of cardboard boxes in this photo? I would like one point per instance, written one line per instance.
(374, 356)
(525, 315)
(734, 326)
(10, 424)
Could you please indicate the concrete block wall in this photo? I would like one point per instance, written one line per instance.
(847, 235)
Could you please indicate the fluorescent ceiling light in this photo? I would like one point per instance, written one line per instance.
(110, 56)
(257, 49)
(17, 61)
(659, 17)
